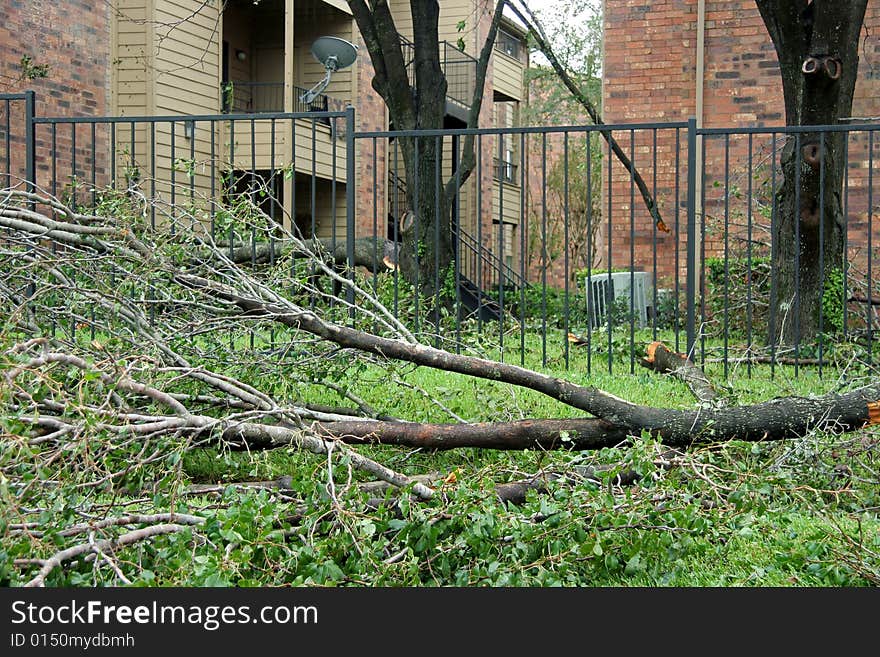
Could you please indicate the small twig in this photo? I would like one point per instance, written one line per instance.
(128, 538)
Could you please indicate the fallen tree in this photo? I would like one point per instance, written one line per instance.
(111, 344)
(218, 279)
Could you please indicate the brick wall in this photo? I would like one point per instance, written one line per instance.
(73, 39)
(650, 75)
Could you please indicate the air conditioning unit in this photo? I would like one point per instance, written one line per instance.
(623, 285)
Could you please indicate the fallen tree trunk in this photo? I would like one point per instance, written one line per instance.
(772, 420)
(575, 434)
(372, 253)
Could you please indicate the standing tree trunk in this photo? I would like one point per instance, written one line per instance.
(816, 43)
(427, 234)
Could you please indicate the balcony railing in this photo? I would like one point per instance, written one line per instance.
(459, 68)
(259, 97)
(505, 171)
(510, 45)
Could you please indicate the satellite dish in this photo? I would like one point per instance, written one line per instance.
(335, 54)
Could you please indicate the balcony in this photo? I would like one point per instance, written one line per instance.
(241, 97)
(460, 70)
(510, 45)
(505, 171)
(509, 67)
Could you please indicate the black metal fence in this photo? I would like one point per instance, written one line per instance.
(557, 259)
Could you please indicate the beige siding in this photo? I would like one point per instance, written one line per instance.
(130, 59)
(453, 11)
(186, 65)
(187, 57)
(508, 75)
(130, 76)
(243, 149)
(402, 17)
(511, 212)
(312, 20)
(325, 225)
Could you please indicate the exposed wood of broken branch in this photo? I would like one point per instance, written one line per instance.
(661, 359)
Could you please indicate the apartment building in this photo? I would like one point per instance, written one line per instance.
(194, 58)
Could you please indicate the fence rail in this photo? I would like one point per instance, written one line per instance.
(556, 256)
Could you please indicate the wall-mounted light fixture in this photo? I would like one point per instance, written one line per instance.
(189, 129)
(240, 55)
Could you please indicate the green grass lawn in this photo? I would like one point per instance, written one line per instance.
(793, 513)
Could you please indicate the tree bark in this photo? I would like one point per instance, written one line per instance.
(428, 246)
(817, 46)
(373, 253)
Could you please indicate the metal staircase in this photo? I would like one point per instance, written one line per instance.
(483, 277)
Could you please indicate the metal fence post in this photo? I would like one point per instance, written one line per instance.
(30, 141)
(691, 234)
(350, 200)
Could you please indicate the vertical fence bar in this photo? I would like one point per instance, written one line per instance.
(691, 235)
(588, 287)
(609, 292)
(456, 244)
(375, 272)
(213, 201)
(273, 208)
(632, 251)
(500, 258)
(566, 324)
(30, 141)
(478, 254)
(797, 252)
(845, 234)
(294, 228)
(676, 278)
(94, 172)
(438, 149)
(415, 227)
(749, 268)
(173, 166)
(544, 262)
(8, 155)
(333, 180)
(395, 227)
(654, 244)
(152, 177)
(726, 251)
(349, 205)
(73, 178)
(112, 155)
(774, 246)
(313, 209)
(30, 163)
(702, 262)
(870, 300)
(821, 245)
(522, 251)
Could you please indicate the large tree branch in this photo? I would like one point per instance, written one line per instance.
(382, 39)
(781, 418)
